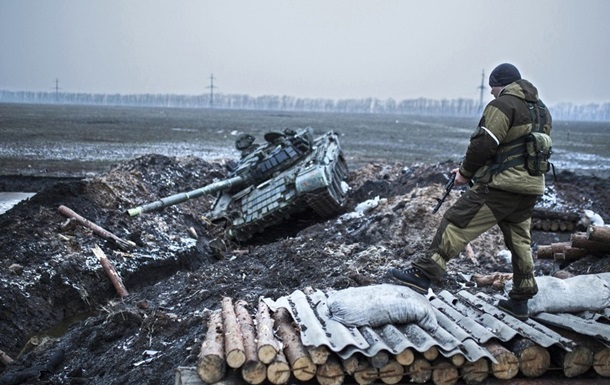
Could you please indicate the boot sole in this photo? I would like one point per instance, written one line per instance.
(517, 316)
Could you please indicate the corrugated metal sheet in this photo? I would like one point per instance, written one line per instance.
(466, 322)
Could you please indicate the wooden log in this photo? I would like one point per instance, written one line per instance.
(598, 233)
(444, 372)
(491, 279)
(111, 272)
(330, 372)
(392, 372)
(544, 213)
(234, 343)
(458, 360)
(267, 346)
(405, 357)
(302, 367)
(253, 370)
(573, 254)
(601, 362)
(5, 358)
(546, 224)
(560, 247)
(365, 374)
(318, 354)
(575, 362)
(431, 354)
(580, 359)
(555, 225)
(555, 250)
(534, 360)
(278, 371)
(351, 363)
(475, 372)
(547, 251)
(211, 365)
(563, 274)
(581, 240)
(507, 366)
(123, 244)
(379, 360)
(420, 370)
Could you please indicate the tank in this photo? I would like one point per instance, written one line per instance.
(289, 173)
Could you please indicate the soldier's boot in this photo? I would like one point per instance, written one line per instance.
(516, 308)
(411, 277)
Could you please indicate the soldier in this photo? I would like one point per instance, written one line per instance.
(504, 190)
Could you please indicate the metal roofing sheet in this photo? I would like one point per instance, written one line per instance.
(583, 326)
(466, 321)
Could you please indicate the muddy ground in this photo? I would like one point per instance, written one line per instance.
(63, 323)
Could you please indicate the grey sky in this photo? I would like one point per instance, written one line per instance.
(401, 49)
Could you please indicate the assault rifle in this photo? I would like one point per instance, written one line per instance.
(448, 188)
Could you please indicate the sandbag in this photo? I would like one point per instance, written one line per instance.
(579, 293)
(378, 305)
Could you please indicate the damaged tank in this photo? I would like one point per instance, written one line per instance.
(289, 173)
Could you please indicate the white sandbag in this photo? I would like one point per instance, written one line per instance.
(574, 294)
(605, 276)
(378, 305)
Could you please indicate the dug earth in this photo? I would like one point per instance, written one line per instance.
(63, 322)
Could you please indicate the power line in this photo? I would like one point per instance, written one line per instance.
(482, 88)
(56, 89)
(211, 87)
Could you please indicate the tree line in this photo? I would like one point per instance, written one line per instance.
(420, 106)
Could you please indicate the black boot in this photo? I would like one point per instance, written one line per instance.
(412, 277)
(515, 307)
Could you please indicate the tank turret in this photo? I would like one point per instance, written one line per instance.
(289, 173)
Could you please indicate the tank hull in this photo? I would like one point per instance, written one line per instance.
(313, 178)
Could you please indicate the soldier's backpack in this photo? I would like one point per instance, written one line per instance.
(538, 145)
(534, 149)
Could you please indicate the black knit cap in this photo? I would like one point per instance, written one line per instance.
(503, 75)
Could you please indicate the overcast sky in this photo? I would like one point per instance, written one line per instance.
(399, 49)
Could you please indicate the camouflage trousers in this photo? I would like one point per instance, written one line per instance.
(475, 212)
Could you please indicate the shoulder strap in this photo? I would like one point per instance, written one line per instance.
(538, 114)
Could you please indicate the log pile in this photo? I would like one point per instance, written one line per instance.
(547, 220)
(595, 241)
(270, 350)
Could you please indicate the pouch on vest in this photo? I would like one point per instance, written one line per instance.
(538, 150)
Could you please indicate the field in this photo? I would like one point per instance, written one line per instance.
(63, 322)
(56, 140)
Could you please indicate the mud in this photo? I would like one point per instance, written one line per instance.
(63, 323)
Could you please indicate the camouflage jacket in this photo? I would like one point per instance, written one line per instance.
(504, 119)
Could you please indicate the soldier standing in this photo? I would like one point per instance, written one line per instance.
(504, 191)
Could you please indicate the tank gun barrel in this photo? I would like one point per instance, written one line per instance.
(185, 196)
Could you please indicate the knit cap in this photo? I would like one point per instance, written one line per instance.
(503, 75)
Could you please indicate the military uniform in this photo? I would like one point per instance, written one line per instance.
(505, 197)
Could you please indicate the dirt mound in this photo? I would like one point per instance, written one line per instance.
(58, 306)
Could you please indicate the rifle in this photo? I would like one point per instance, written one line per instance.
(448, 188)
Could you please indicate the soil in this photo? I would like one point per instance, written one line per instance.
(63, 322)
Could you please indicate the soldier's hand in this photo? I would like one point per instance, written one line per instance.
(459, 178)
